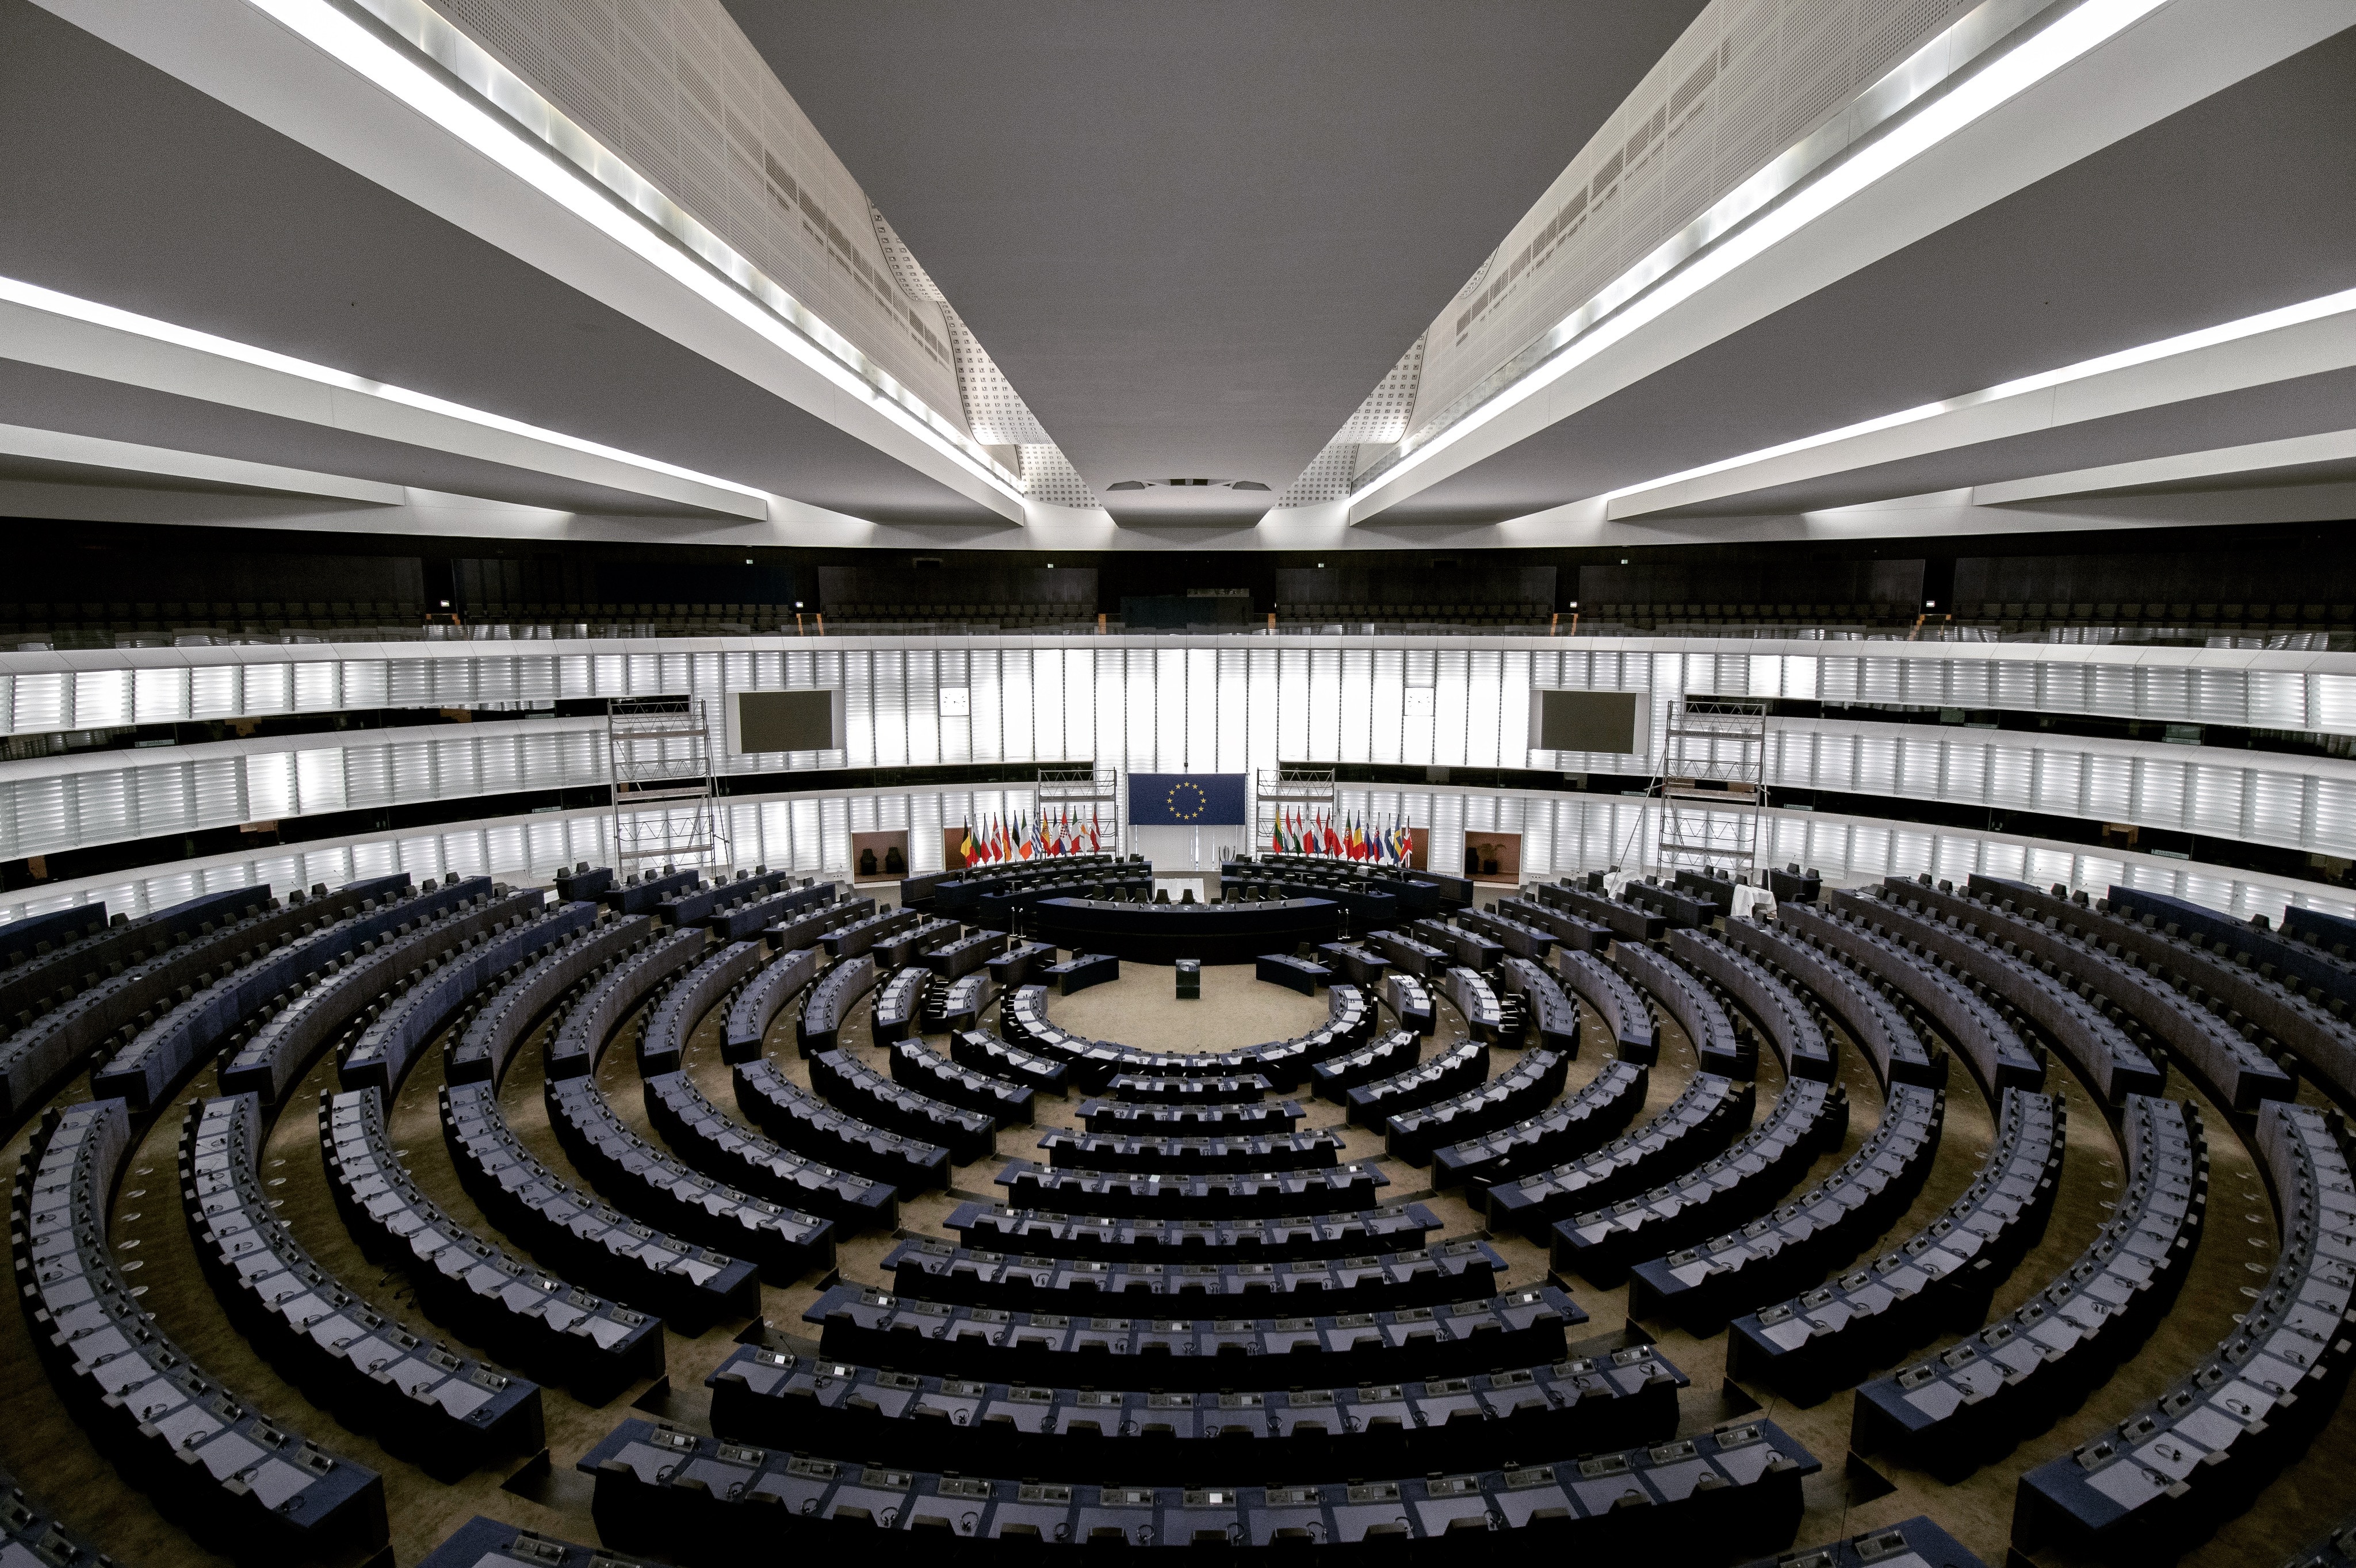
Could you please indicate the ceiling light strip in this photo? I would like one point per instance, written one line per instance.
(458, 85)
(32, 296)
(2304, 313)
(1793, 191)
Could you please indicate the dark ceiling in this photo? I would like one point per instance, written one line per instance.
(2242, 202)
(1195, 235)
(124, 185)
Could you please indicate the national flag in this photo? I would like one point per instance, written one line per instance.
(1095, 846)
(966, 847)
(1332, 839)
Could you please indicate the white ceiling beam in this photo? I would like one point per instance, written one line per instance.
(130, 459)
(2187, 469)
(60, 332)
(2305, 339)
(2176, 55)
(486, 179)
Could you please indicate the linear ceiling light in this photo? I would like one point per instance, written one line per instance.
(1677, 271)
(2302, 314)
(618, 201)
(32, 296)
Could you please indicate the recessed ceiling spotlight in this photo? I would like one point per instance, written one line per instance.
(1185, 485)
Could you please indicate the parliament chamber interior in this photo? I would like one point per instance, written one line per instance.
(1691, 899)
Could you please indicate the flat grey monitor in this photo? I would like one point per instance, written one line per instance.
(1609, 721)
(807, 719)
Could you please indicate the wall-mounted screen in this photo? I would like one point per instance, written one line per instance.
(1613, 721)
(807, 719)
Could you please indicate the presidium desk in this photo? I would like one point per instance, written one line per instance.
(1162, 933)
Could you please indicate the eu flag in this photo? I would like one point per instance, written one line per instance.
(1188, 799)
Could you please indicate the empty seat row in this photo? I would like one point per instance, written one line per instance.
(1409, 1001)
(652, 1186)
(1162, 1436)
(1461, 948)
(1701, 1286)
(446, 1410)
(917, 1066)
(996, 1226)
(387, 1049)
(247, 1484)
(1407, 956)
(1180, 1152)
(965, 954)
(808, 927)
(579, 1039)
(277, 1054)
(1476, 1001)
(1625, 922)
(2204, 1041)
(957, 1004)
(1149, 1089)
(1721, 1192)
(284, 950)
(915, 943)
(980, 1051)
(800, 1174)
(1971, 1401)
(1939, 1281)
(1465, 1065)
(1689, 1500)
(1523, 1327)
(1711, 1113)
(1544, 1004)
(1295, 973)
(896, 1007)
(935, 1271)
(751, 918)
(1532, 1083)
(697, 906)
(857, 938)
(472, 1287)
(850, 1085)
(43, 972)
(2100, 1051)
(1973, 1023)
(1563, 1131)
(483, 1046)
(649, 892)
(764, 997)
(1331, 1190)
(1259, 1117)
(1896, 1052)
(578, 1235)
(1574, 933)
(2286, 1003)
(2201, 1451)
(1518, 937)
(1800, 1044)
(1354, 963)
(1635, 1034)
(1394, 1053)
(1684, 998)
(662, 1043)
(831, 997)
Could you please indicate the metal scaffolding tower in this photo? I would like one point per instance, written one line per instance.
(659, 758)
(1282, 793)
(1713, 787)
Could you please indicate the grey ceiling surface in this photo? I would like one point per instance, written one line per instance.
(124, 185)
(2237, 204)
(1195, 235)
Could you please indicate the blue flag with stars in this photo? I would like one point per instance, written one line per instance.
(1188, 799)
